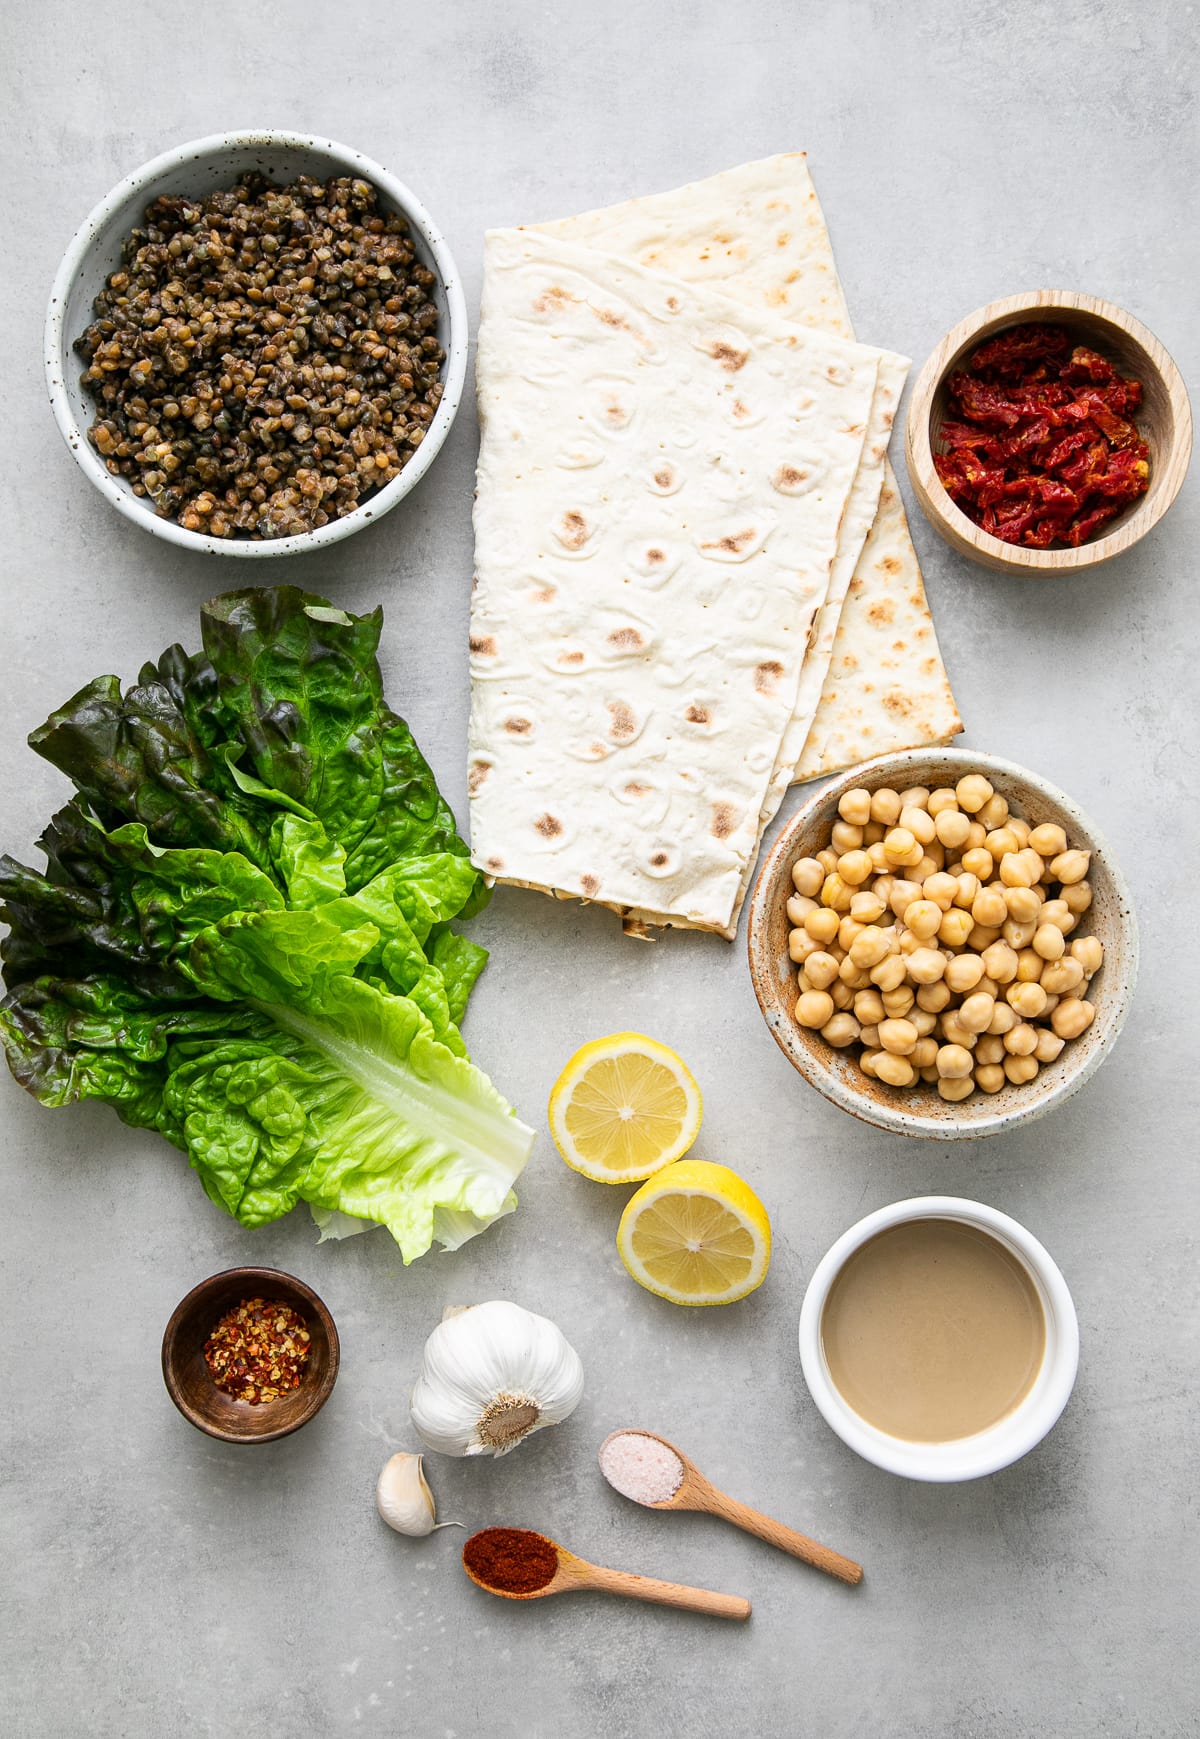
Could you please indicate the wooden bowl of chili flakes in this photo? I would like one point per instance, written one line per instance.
(1047, 433)
(250, 1355)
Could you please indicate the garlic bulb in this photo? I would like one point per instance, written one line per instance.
(403, 1497)
(490, 1376)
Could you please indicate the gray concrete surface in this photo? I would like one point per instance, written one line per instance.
(157, 1584)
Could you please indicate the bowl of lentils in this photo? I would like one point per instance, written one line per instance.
(256, 344)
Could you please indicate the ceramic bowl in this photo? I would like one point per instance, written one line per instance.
(919, 1110)
(1165, 421)
(1011, 1437)
(198, 168)
(190, 1384)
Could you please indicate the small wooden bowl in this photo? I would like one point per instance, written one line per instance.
(919, 1110)
(1165, 420)
(187, 1377)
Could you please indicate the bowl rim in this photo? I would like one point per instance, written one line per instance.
(895, 1120)
(254, 1276)
(949, 518)
(58, 344)
(1010, 1438)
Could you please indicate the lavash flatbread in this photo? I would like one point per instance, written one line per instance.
(662, 478)
(757, 232)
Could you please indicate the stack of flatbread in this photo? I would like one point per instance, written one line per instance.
(695, 583)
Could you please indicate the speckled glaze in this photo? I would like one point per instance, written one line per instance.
(196, 169)
(919, 1110)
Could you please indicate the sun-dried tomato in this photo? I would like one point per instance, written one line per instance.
(1040, 446)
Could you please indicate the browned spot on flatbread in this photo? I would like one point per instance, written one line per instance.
(658, 859)
(673, 304)
(730, 358)
(590, 884)
(741, 410)
(735, 542)
(664, 477)
(698, 715)
(889, 564)
(544, 594)
(624, 724)
(625, 639)
(782, 239)
(549, 826)
(898, 646)
(478, 772)
(574, 530)
(571, 658)
(881, 611)
(789, 477)
(896, 701)
(656, 557)
(599, 751)
(634, 789)
(518, 727)
(766, 675)
(777, 296)
(495, 865)
(791, 277)
(723, 237)
(724, 820)
(484, 645)
(551, 301)
(856, 585)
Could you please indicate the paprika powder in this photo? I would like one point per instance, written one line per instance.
(510, 1560)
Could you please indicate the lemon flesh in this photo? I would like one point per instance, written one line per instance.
(624, 1107)
(696, 1234)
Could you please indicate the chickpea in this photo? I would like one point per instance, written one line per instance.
(885, 806)
(933, 997)
(1023, 904)
(844, 838)
(915, 795)
(854, 977)
(976, 1012)
(995, 811)
(1021, 1041)
(989, 910)
(963, 973)
(1077, 897)
(807, 877)
(1003, 1020)
(929, 865)
(1049, 1046)
(866, 907)
(1058, 913)
(827, 858)
(954, 1063)
(955, 1033)
(981, 938)
(940, 888)
(801, 947)
(952, 828)
(1048, 840)
(888, 975)
(873, 833)
(842, 1030)
(989, 1077)
(978, 862)
(990, 986)
(968, 890)
(1000, 841)
(882, 886)
(1061, 977)
(1052, 1003)
(929, 1075)
(821, 969)
(955, 1089)
(854, 867)
(855, 806)
(822, 925)
(1017, 935)
(926, 966)
(1021, 1069)
(868, 1059)
(923, 918)
(1000, 962)
(868, 1006)
(814, 1008)
(898, 1002)
(990, 1049)
(919, 822)
(955, 927)
(1089, 951)
(1029, 1000)
(1029, 966)
(898, 1036)
(973, 791)
(1049, 942)
(896, 1071)
(877, 852)
(899, 845)
(902, 895)
(848, 928)
(835, 893)
(870, 1036)
(870, 947)
(1016, 871)
(924, 1053)
(1072, 1017)
(921, 1018)
(976, 834)
(798, 908)
(1070, 866)
(942, 799)
(1020, 828)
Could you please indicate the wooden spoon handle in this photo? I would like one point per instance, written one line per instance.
(787, 1539)
(668, 1593)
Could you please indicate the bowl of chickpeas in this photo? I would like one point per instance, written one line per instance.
(942, 944)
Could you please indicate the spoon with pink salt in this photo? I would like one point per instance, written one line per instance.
(647, 1469)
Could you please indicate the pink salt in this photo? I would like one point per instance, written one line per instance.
(641, 1467)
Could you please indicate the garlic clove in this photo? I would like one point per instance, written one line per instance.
(403, 1497)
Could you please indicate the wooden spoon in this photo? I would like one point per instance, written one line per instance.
(695, 1492)
(574, 1575)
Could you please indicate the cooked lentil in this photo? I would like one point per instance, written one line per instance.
(265, 357)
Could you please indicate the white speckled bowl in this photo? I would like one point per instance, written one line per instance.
(197, 168)
(918, 1110)
(1009, 1438)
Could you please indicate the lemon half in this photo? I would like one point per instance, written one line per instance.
(624, 1107)
(696, 1234)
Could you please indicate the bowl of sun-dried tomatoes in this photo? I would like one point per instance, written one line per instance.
(1047, 433)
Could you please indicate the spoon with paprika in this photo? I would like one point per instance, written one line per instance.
(518, 1564)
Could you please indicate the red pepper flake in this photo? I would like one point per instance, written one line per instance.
(257, 1351)
(1040, 447)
